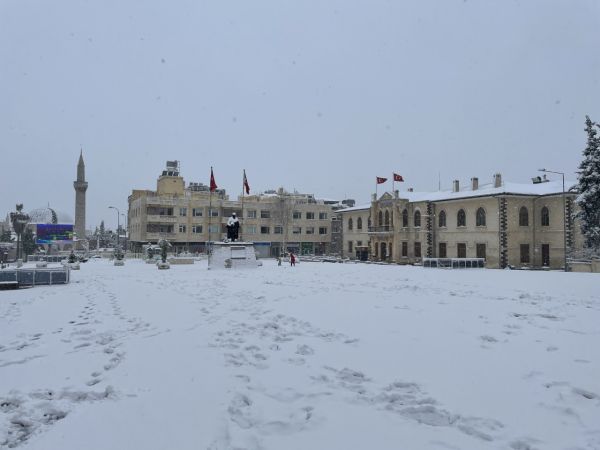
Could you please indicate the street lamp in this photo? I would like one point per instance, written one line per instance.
(118, 223)
(564, 213)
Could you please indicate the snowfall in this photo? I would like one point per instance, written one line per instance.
(317, 356)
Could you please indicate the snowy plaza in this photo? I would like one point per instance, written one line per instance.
(319, 356)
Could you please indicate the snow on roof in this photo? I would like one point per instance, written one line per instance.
(356, 208)
(550, 187)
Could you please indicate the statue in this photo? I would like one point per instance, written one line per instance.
(19, 221)
(233, 228)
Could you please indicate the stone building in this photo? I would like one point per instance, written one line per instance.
(275, 221)
(508, 224)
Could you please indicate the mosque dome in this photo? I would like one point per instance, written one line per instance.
(49, 215)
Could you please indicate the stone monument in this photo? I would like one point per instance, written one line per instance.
(80, 186)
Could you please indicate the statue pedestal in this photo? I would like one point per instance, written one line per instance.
(232, 255)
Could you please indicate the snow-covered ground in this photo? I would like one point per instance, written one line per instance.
(320, 356)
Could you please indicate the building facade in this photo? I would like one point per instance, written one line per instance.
(188, 216)
(521, 225)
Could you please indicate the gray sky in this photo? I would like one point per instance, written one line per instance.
(320, 96)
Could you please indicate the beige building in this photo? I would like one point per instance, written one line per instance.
(183, 214)
(507, 224)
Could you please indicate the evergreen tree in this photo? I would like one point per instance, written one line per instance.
(589, 187)
(102, 230)
(6, 236)
(28, 242)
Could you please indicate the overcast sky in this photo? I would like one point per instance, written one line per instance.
(315, 95)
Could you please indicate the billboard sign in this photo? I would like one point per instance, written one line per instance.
(54, 234)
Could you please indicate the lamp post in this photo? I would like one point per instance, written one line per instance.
(118, 223)
(564, 213)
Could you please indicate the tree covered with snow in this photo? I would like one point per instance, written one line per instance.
(589, 187)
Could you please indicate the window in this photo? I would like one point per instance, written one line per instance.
(480, 250)
(250, 229)
(265, 230)
(322, 230)
(278, 229)
(350, 223)
(417, 249)
(182, 228)
(442, 222)
(296, 230)
(405, 218)
(297, 215)
(461, 250)
(404, 248)
(380, 218)
(480, 217)
(359, 243)
(461, 219)
(183, 212)
(214, 228)
(265, 214)
(197, 212)
(322, 216)
(196, 229)
(310, 230)
(387, 218)
(359, 223)
(251, 214)
(442, 253)
(523, 217)
(417, 219)
(310, 215)
(213, 213)
(524, 250)
(545, 217)
(349, 246)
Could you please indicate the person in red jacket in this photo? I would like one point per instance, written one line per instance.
(292, 259)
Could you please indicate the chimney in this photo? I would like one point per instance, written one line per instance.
(396, 193)
(474, 183)
(497, 180)
(455, 186)
(410, 189)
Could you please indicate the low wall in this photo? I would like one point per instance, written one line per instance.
(585, 266)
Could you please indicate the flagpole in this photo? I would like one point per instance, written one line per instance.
(209, 216)
(243, 192)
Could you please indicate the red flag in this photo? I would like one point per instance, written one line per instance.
(398, 177)
(246, 185)
(213, 184)
(381, 180)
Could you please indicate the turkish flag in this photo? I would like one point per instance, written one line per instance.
(213, 184)
(398, 177)
(381, 180)
(246, 185)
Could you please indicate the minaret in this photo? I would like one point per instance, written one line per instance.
(80, 187)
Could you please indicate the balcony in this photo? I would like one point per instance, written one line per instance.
(156, 218)
(150, 236)
(382, 229)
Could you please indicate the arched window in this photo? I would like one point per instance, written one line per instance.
(461, 218)
(417, 218)
(359, 223)
(442, 219)
(480, 217)
(380, 218)
(369, 222)
(405, 218)
(387, 218)
(350, 223)
(545, 217)
(523, 217)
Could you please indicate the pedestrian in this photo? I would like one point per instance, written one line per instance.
(279, 260)
(292, 259)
